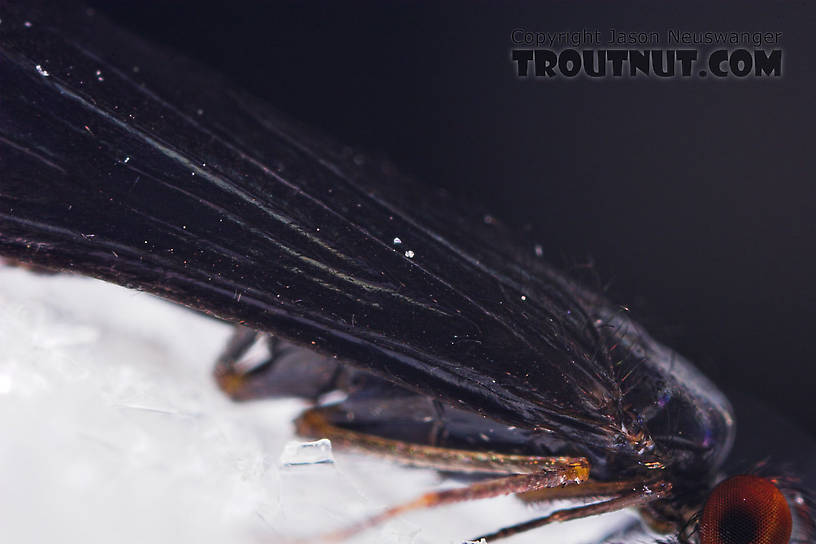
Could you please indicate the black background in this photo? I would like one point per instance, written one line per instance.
(694, 199)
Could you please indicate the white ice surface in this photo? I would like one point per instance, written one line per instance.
(112, 431)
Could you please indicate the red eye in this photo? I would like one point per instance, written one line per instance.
(746, 510)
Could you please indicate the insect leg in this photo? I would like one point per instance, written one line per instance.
(527, 472)
(256, 365)
(226, 372)
(635, 495)
(587, 489)
(314, 423)
(517, 483)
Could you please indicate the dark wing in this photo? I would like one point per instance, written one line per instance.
(120, 163)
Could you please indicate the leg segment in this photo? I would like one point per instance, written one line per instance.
(635, 496)
(255, 365)
(518, 483)
(314, 424)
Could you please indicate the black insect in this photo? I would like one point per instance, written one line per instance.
(457, 346)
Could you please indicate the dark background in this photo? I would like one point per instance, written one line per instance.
(694, 199)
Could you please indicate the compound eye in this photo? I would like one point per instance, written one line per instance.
(746, 510)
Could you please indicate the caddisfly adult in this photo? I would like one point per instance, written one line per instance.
(456, 346)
